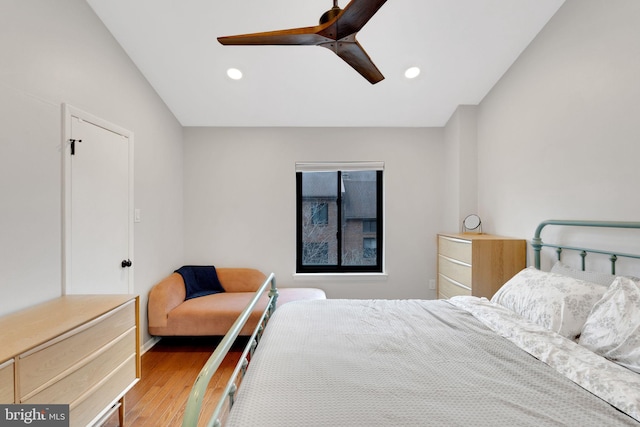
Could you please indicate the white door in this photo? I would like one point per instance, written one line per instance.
(98, 206)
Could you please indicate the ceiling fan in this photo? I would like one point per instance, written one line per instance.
(337, 31)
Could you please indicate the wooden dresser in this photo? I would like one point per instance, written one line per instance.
(477, 264)
(81, 350)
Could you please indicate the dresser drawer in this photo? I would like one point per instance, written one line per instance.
(98, 400)
(43, 364)
(455, 270)
(447, 288)
(6, 382)
(89, 373)
(455, 248)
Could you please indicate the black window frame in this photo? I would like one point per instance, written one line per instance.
(339, 267)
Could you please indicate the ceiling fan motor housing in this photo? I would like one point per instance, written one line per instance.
(330, 14)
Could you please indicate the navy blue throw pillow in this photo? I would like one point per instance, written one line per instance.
(200, 280)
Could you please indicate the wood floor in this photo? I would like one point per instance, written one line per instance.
(168, 372)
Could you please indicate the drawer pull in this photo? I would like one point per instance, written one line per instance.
(7, 364)
(454, 239)
(455, 282)
(455, 261)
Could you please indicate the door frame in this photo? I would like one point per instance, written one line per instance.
(68, 113)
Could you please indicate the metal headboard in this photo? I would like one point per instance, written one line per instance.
(538, 244)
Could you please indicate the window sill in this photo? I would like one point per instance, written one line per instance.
(348, 277)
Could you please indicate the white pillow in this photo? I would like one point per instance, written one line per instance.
(612, 329)
(553, 301)
(588, 276)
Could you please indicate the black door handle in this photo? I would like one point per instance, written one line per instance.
(126, 263)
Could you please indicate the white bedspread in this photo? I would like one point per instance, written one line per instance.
(404, 363)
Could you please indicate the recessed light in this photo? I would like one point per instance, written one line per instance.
(412, 72)
(234, 74)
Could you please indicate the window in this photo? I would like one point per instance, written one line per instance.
(369, 247)
(320, 214)
(339, 218)
(369, 226)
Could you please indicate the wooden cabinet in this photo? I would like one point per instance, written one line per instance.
(81, 350)
(477, 264)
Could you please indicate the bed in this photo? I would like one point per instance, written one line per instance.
(558, 347)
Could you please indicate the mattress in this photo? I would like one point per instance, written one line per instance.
(406, 363)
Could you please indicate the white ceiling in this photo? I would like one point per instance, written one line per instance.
(462, 46)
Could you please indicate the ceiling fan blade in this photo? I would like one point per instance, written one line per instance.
(354, 55)
(294, 36)
(356, 14)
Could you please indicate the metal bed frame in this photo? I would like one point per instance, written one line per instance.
(538, 244)
(194, 403)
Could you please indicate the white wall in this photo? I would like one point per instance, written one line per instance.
(558, 136)
(54, 52)
(240, 200)
(461, 171)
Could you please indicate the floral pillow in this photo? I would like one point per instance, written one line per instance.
(553, 301)
(613, 327)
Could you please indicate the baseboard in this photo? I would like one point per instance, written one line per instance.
(149, 344)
